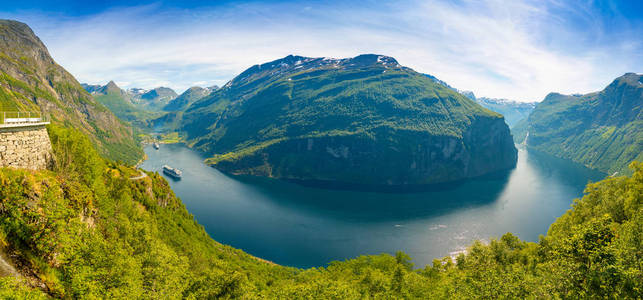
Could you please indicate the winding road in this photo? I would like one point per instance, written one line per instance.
(143, 175)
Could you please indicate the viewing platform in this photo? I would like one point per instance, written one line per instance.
(24, 140)
(17, 119)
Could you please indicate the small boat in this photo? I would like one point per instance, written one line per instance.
(156, 146)
(176, 173)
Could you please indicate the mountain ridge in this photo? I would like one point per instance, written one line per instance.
(602, 130)
(31, 80)
(188, 97)
(513, 111)
(340, 112)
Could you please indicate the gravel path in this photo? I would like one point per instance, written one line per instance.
(143, 175)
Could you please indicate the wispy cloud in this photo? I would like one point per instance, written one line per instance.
(520, 49)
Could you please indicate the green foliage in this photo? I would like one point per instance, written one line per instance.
(519, 131)
(184, 100)
(601, 130)
(356, 117)
(126, 111)
(12, 289)
(31, 81)
(75, 155)
(310, 103)
(87, 231)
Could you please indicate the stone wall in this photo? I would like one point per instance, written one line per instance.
(25, 147)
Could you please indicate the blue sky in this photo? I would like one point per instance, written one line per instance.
(518, 49)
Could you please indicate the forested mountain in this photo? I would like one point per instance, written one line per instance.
(363, 120)
(602, 130)
(122, 103)
(93, 228)
(513, 111)
(144, 100)
(188, 97)
(30, 80)
(145, 109)
(155, 99)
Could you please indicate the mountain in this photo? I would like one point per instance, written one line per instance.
(120, 102)
(188, 97)
(513, 111)
(91, 88)
(145, 100)
(468, 94)
(30, 80)
(136, 92)
(362, 120)
(440, 82)
(602, 130)
(155, 99)
(92, 228)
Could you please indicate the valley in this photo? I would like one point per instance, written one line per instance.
(310, 226)
(311, 178)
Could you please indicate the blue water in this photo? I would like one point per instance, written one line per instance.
(303, 226)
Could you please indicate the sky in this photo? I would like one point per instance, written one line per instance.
(520, 50)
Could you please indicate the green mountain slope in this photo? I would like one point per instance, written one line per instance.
(364, 120)
(188, 97)
(602, 130)
(519, 130)
(120, 103)
(513, 111)
(85, 229)
(101, 234)
(31, 80)
(155, 99)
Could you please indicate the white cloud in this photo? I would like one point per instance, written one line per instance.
(517, 50)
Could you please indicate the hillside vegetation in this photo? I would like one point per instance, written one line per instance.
(188, 97)
(85, 230)
(30, 80)
(602, 130)
(120, 103)
(513, 111)
(361, 120)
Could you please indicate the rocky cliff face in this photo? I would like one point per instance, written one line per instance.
(30, 80)
(411, 158)
(363, 120)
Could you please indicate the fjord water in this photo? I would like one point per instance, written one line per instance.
(302, 226)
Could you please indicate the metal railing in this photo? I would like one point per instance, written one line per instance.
(22, 117)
